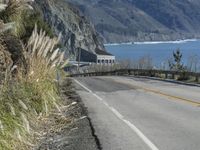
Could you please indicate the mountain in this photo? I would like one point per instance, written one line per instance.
(143, 20)
(76, 31)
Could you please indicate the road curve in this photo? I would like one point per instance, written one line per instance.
(141, 114)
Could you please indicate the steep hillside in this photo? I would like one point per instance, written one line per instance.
(139, 20)
(76, 31)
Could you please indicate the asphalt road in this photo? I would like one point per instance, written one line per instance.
(142, 114)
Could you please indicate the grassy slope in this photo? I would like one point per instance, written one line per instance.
(30, 91)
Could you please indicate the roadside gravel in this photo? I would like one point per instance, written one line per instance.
(69, 127)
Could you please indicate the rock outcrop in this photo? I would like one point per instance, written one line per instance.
(76, 31)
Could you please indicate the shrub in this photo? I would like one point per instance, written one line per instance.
(33, 18)
(176, 64)
(14, 12)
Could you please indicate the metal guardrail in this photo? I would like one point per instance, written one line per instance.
(142, 72)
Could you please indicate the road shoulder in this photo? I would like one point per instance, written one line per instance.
(73, 129)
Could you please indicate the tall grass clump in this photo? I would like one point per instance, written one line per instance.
(44, 60)
(30, 91)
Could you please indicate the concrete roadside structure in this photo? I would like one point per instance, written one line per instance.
(104, 57)
(99, 57)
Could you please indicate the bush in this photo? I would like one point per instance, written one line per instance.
(32, 19)
(14, 12)
(17, 12)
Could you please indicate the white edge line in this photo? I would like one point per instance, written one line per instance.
(117, 113)
(121, 117)
(83, 86)
(141, 135)
(98, 97)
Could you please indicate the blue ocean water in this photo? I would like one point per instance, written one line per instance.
(159, 51)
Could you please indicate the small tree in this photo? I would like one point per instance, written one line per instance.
(176, 64)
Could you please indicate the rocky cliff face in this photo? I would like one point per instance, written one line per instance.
(143, 20)
(77, 31)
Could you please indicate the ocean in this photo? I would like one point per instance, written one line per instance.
(159, 52)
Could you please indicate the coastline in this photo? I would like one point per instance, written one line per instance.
(153, 42)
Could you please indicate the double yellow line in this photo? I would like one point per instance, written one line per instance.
(177, 98)
(172, 97)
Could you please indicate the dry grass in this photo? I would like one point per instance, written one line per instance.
(30, 93)
(44, 62)
(27, 92)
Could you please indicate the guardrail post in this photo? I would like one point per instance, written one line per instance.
(197, 78)
(129, 72)
(166, 75)
(173, 76)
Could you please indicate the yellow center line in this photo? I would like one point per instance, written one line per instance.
(172, 97)
(177, 98)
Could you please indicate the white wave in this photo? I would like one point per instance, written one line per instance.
(116, 44)
(153, 42)
(168, 42)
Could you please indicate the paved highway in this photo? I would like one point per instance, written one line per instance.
(141, 114)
